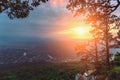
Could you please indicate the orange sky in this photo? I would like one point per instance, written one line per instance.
(61, 24)
(75, 32)
(69, 27)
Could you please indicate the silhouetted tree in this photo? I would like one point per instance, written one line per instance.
(98, 13)
(86, 55)
(117, 40)
(19, 8)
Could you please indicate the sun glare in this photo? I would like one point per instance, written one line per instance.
(80, 31)
(76, 33)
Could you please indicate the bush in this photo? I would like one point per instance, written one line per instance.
(117, 60)
(10, 76)
(115, 74)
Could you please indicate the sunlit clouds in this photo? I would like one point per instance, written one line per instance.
(55, 3)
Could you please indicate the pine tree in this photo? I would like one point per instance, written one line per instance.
(99, 14)
(118, 38)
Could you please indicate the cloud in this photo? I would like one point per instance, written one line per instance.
(40, 22)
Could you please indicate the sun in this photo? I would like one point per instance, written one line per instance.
(74, 32)
(80, 31)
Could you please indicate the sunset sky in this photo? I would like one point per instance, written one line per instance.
(51, 20)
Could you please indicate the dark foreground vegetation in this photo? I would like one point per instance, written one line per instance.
(56, 71)
(115, 72)
(46, 71)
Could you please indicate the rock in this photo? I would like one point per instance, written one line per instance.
(79, 77)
